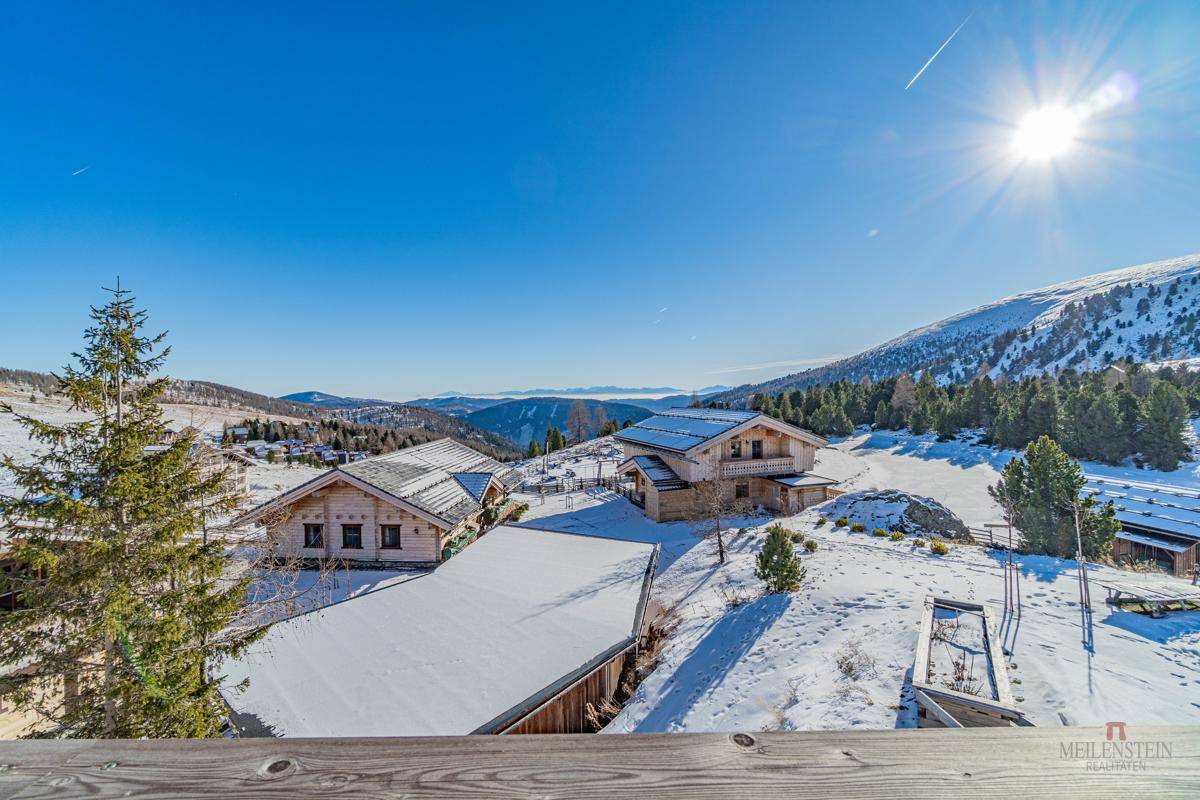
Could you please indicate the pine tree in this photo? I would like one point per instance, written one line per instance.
(534, 450)
(777, 564)
(881, 415)
(1104, 425)
(1042, 488)
(138, 601)
(1164, 418)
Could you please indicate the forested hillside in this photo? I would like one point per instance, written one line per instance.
(522, 420)
(1108, 416)
(1145, 313)
(412, 417)
(376, 439)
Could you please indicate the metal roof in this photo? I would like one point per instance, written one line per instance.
(1162, 542)
(475, 483)
(802, 479)
(1154, 507)
(658, 472)
(681, 429)
(428, 477)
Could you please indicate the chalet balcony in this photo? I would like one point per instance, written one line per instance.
(746, 467)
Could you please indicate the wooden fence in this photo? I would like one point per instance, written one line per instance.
(1010, 763)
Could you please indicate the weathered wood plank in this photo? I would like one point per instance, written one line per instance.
(983, 762)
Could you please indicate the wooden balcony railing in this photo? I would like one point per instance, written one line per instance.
(757, 466)
(1010, 763)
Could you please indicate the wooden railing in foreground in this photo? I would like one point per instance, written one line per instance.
(1013, 763)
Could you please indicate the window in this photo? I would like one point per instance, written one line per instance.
(352, 537)
(314, 535)
(756, 448)
(741, 490)
(735, 448)
(390, 536)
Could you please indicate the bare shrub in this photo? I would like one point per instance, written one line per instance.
(853, 662)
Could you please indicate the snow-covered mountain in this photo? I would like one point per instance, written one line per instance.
(1145, 313)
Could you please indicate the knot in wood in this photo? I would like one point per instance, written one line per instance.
(743, 740)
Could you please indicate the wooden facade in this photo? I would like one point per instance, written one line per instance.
(1179, 559)
(410, 507)
(749, 457)
(335, 507)
(567, 711)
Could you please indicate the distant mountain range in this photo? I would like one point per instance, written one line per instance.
(334, 401)
(589, 390)
(1145, 313)
(521, 420)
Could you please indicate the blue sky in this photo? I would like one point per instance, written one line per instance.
(393, 200)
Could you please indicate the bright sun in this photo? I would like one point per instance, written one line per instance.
(1045, 133)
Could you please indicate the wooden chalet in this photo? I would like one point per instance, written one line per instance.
(1160, 522)
(416, 506)
(519, 634)
(765, 460)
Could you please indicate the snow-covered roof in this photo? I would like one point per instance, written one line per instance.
(479, 641)
(658, 472)
(802, 479)
(1162, 542)
(682, 429)
(1157, 507)
(425, 477)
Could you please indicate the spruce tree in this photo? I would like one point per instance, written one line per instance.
(128, 603)
(777, 564)
(1164, 418)
(1042, 488)
(881, 415)
(534, 450)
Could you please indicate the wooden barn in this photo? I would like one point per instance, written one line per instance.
(415, 506)
(766, 461)
(1160, 522)
(518, 634)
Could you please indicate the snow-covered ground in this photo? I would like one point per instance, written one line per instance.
(265, 480)
(741, 660)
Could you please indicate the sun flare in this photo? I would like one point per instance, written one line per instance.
(1045, 133)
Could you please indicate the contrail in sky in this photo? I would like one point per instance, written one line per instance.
(939, 52)
(81, 170)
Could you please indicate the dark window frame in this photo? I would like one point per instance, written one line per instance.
(311, 542)
(346, 529)
(383, 537)
(756, 449)
(741, 490)
(735, 448)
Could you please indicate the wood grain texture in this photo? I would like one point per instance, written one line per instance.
(1013, 763)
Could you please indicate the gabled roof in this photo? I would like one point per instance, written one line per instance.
(475, 483)
(471, 647)
(1148, 506)
(681, 430)
(422, 478)
(657, 471)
